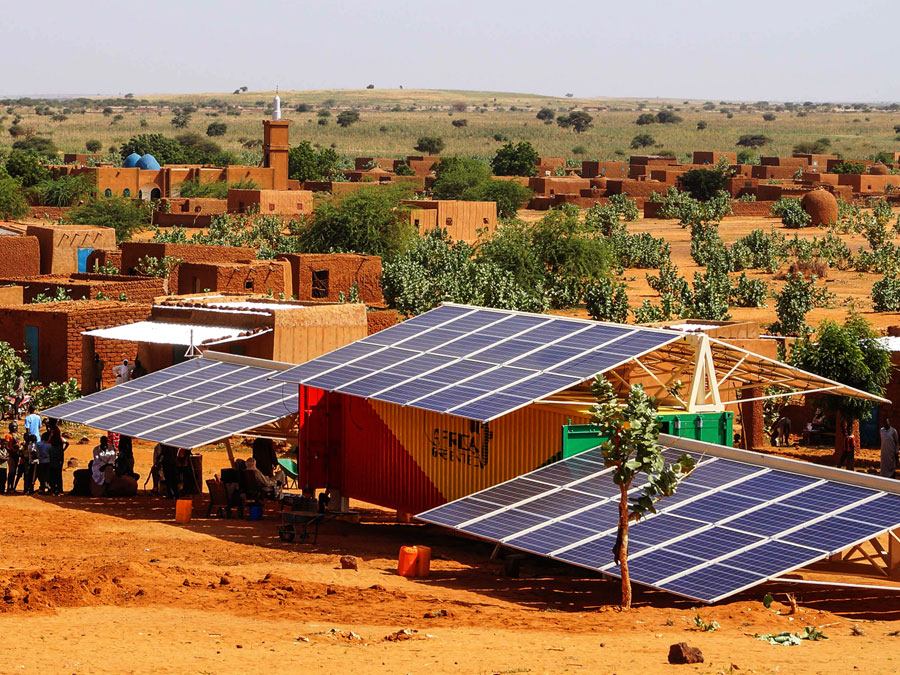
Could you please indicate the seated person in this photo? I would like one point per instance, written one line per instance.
(269, 487)
(818, 421)
(102, 467)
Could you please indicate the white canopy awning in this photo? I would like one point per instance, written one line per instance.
(186, 334)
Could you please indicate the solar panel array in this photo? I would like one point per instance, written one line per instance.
(187, 405)
(474, 362)
(728, 527)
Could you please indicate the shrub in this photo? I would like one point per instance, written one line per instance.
(12, 202)
(125, 216)
(93, 145)
(307, 163)
(753, 141)
(645, 119)
(578, 120)
(455, 175)
(667, 117)
(767, 251)
(39, 144)
(515, 160)
(747, 157)
(347, 118)
(642, 141)
(769, 117)
(750, 292)
(791, 213)
(701, 125)
(703, 184)
(792, 305)
(404, 169)
(817, 147)
(150, 266)
(509, 195)
(606, 299)
(216, 129)
(711, 296)
(26, 167)
(63, 191)
(430, 145)
(545, 114)
(460, 123)
(849, 168)
(886, 293)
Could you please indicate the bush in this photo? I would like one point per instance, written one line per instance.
(767, 251)
(667, 117)
(435, 269)
(747, 157)
(455, 175)
(26, 167)
(509, 195)
(703, 184)
(430, 145)
(642, 141)
(849, 168)
(93, 145)
(711, 296)
(64, 191)
(404, 169)
(578, 120)
(793, 304)
(701, 125)
(769, 117)
(216, 129)
(677, 204)
(307, 163)
(12, 202)
(369, 221)
(753, 141)
(125, 216)
(818, 147)
(545, 114)
(750, 292)
(151, 266)
(606, 299)
(460, 123)
(791, 213)
(515, 160)
(886, 293)
(39, 144)
(645, 118)
(347, 118)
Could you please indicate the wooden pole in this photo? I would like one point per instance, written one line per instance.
(230, 451)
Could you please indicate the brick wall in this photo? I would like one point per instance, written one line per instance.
(259, 276)
(87, 286)
(100, 257)
(344, 269)
(132, 252)
(21, 256)
(113, 352)
(381, 319)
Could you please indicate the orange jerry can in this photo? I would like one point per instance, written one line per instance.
(408, 561)
(183, 509)
(423, 568)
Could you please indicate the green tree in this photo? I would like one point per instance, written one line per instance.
(886, 292)
(26, 167)
(793, 304)
(753, 141)
(12, 202)
(404, 169)
(455, 175)
(849, 168)
(430, 145)
(307, 163)
(518, 159)
(848, 353)
(40, 144)
(370, 221)
(667, 117)
(216, 129)
(642, 141)
(166, 150)
(125, 216)
(631, 447)
(509, 195)
(547, 114)
(703, 184)
(93, 145)
(701, 125)
(347, 118)
(769, 117)
(578, 120)
(645, 118)
(181, 120)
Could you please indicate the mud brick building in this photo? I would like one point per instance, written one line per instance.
(593, 169)
(133, 252)
(189, 212)
(461, 219)
(250, 276)
(708, 157)
(324, 277)
(87, 286)
(50, 334)
(65, 248)
(271, 202)
(21, 256)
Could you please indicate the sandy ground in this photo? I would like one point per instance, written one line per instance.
(116, 586)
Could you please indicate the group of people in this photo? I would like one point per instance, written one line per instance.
(34, 457)
(124, 372)
(111, 470)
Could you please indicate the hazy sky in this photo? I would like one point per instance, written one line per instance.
(827, 50)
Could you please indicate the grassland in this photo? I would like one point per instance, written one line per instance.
(392, 120)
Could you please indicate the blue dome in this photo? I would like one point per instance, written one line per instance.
(148, 162)
(131, 161)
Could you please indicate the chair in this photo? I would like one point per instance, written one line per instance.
(221, 502)
(291, 472)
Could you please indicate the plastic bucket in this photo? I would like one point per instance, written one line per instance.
(256, 512)
(183, 509)
(423, 569)
(408, 561)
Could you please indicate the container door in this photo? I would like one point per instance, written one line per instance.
(83, 254)
(321, 438)
(31, 350)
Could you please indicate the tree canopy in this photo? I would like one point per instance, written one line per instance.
(307, 163)
(518, 159)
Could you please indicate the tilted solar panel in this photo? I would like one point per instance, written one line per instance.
(733, 523)
(190, 404)
(475, 362)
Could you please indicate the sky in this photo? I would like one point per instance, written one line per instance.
(776, 50)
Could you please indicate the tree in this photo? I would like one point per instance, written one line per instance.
(645, 118)
(578, 120)
(850, 354)
(753, 141)
(703, 184)
(793, 304)
(546, 114)
(12, 202)
(26, 167)
(93, 145)
(817, 147)
(701, 125)
(460, 123)
(631, 447)
(642, 141)
(515, 160)
(303, 107)
(63, 191)
(769, 117)
(307, 163)
(125, 216)
(843, 167)
(455, 175)
(509, 195)
(39, 144)
(181, 120)
(370, 221)
(667, 117)
(216, 129)
(430, 145)
(347, 118)
(166, 150)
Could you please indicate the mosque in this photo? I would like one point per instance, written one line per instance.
(143, 177)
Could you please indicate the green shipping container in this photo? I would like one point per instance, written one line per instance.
(714, 427)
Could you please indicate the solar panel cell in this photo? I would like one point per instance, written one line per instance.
(713, 507)
(445, 399)
(770, 520)
(492, 406)
(772, 557)
(655, 565)
(513, 324)
(828, 497)
(712, 582)
(832, 534)
(595, 337)
(458, 512)
(772, 485)
(560, 503)
(546, 358)
(713, 543)
(511, 492)
(550, 538)
(602, 518)
(504, 524)
(663, 527)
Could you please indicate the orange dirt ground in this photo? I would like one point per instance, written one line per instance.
(115, 585)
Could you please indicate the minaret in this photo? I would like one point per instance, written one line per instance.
(276, 145)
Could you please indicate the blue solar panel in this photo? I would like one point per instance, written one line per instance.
(562, 473)
(506, 351)
(602, 518)
(560, 503)
(770, 520)
(771, 485)
(372, 384)
(832, 534)
(305, 371)
(512, 325)
(594, 337)
(455, 372)
(513, 491)
(504, 524)
(828, 497)
(418, 365)
(498, 378)
(438, 316)
(881, 511)
(554, 330)
(460, 511)
(338, 378)
(393, 335)
(772, 557)
(466, 345)
(445, 399)
(546, 358)
(653, 566)
(588, 365)
(722, 471)
(550, 538)
(713, 543)
(388, 357)
(424, 342)
(712, 582)
(493, 406)
(714, 506)
(544, 384)
(475, 320)
(657, 529)
(597, 553)
(410, 391)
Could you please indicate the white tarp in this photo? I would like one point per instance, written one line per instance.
(185, 334)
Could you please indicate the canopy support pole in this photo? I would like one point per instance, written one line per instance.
(230, 451)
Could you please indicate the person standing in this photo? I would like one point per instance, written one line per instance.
(138, 369)
(30, 459)
(43, 465)
(19, 393)
(170, 470)
(11, 441)
(264, 454)
(889, 446)
(99, 367)
(4, 462)
(58, 447)
(123, 372)
(849, 453)
(33, 423)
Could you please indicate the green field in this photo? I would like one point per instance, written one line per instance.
(392, 120)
